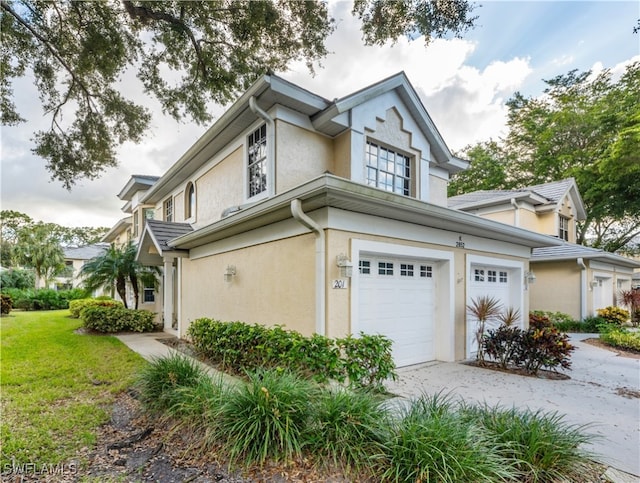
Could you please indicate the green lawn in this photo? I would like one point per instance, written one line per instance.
(56, 385)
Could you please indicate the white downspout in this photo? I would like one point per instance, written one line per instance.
(301, 217)
(583, 288)
(271, 145)
(516, 213)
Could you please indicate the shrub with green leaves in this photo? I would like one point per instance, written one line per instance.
(367, 360)
(266, 418)
(545, 347)
(117, 318)
(347, 429)
(76, 306)
(554, 317)
(160, 381)
(43, 299)
(432, 442)
(237, 347)
(621, 338)
(614, 315)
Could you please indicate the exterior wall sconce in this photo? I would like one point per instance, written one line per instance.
(229, 273)
(529, 278)
(593, 284)
(345, 265)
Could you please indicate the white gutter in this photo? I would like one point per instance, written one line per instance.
(302, 218)
(583, 288)
(271, 144)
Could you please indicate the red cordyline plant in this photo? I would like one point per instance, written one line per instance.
(483, 309)
(631, 298)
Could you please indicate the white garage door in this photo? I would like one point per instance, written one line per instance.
(396, 299)
(492, 281)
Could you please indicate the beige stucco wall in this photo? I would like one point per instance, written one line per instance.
(506, 217)
(341, 165)
(438, 190)
(557, 287)
(219, 188)
(275, 284)
(301, 155)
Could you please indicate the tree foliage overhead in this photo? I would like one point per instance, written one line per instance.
(186, 54)
(586, 127)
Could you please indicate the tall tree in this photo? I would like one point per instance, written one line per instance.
(11, 222)
(186, 54)
(37, 247)
(488, 170)
(585, 126)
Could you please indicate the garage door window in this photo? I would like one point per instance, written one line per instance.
(406, 270)
(365, 267)
(478, 275)
(503, 277)
(426, 271)
(385, 268)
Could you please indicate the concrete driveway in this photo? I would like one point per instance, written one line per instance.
(598, 393)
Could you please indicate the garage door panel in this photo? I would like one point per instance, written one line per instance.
(400, 306)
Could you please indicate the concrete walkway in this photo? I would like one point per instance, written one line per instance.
(599, 393)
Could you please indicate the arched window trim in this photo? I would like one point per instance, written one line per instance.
(190, 201)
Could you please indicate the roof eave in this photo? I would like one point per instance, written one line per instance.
(331, 191)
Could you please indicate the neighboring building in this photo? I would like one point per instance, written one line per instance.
(570, 278)
(74, 260)
(328, 217)
(130, 228)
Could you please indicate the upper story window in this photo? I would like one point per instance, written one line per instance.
(563, 228)
(136, 223)
(190, 201)
(148, 213)
(168, 209)
(388, 170)
(257, 161)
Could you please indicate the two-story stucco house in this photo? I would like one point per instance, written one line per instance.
(327, 216)
(570, 278)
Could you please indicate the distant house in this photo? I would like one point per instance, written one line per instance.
(329, 217)
(569, 278)
(74, 260)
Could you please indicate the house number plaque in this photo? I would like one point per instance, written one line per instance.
(339, 284)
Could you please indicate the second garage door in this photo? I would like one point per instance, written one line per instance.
(396, 299)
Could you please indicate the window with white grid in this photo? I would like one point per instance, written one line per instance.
(257, 161)
(387, 169)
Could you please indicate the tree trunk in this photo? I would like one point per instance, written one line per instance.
(121, 287)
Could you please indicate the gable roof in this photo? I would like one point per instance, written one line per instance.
(155, 237)
(327, 117)
(137, 182)
(86, 252)
(572, 251)
(542, 196)
(120, 226)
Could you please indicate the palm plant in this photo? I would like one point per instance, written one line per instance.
(483, 309)
(114, 268)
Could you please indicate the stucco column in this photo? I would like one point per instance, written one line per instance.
(167, 302)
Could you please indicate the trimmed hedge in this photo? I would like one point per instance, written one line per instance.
(238, 347)
(117, 318)
(76, 306)
(44, 298)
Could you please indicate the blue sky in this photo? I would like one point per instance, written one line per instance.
(463, 83)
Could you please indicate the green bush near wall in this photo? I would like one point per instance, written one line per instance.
(238, 347)
(76, 306)
(117, 319)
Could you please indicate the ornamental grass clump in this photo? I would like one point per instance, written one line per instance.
(347, 428)
(432, 442)
(542, 445)
(160, 381)
(266, 418)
